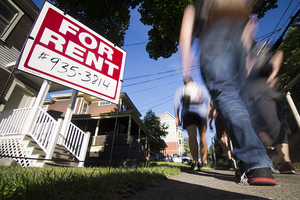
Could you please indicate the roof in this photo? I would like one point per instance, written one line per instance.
(165, 114)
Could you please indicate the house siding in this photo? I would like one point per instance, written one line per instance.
(10, 50)
(19, 34)
(172, 148)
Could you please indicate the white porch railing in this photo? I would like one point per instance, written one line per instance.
(46, 132)
(13, 121)
(76, 141)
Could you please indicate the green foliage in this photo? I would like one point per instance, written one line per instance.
(111, 19)
(262, 6)
(156, 129)
(79, 183)
(186, 146)
(291, 62)
(164, 16)
(108, 18)
(290, 68)
(218, 150)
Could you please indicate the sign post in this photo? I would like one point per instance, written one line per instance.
(62, 50)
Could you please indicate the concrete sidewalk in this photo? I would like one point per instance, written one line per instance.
(219, 184)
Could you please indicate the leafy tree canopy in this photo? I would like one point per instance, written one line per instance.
(157, 130)
(291, 62)
(111, 19)
(108, 18)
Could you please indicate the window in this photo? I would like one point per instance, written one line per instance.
(84, 108)
(10, 14)
(167, 124)
(103, 103)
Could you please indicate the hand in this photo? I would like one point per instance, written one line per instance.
(177, 122)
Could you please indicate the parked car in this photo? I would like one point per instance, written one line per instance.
(181, 159)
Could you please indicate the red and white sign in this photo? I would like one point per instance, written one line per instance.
(63, 50)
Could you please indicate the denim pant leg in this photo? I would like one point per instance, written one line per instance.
(221, 56)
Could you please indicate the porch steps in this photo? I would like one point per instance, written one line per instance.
(61, 156)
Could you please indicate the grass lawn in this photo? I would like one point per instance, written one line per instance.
(65, 183)
(82, 183)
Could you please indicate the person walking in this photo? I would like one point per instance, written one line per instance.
(225, 42)
(221, 133)
(193, 118)
(261, 99)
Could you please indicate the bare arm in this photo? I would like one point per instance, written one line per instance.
(276, 63)
(177, 120)
(185, 39)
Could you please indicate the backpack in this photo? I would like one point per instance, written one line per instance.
(192, 94)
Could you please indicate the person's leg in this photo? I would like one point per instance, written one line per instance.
(220, 51)
(221, 134)
(267, 109)
(225, 146)
(266, 139)
(193, 144)
(203, 144)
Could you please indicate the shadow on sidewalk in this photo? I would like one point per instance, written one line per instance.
(215, 174)
(185, 188)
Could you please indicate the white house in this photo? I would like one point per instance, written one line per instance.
(174, 138)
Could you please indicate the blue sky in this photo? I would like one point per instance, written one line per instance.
(157, 94)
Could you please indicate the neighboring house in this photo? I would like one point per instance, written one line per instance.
(16, 20)
(174, 138)
(98, 117)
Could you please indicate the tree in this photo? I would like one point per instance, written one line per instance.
(290, 68)
(291, 62)
(108, 18)
(165, 18)
(186, 146)
(111, 19)
(156, 129)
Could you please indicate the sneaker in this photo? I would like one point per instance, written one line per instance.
(230, 164)
(241, 179)
(259, 176)
(194, 166)
(205, 166)
(286, 168)
(198, 166)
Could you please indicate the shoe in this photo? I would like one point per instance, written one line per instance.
(205, 166)
(195, 166)
(258, 176)
(230, 164)
(285, 168)
(241, 179)
(198, 166)
(261, 176)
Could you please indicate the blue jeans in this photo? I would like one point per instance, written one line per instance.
(223, 70)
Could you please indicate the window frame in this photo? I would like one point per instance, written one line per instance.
(104, 103)
(12, 24)
(83, 108)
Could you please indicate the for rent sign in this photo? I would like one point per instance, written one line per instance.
(65, 51)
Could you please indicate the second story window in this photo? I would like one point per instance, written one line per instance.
(103, 103)
(84, 108)
(10, 14)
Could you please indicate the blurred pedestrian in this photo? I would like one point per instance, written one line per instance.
(193, 117)
(225, 43)
(221, 133)
(262, 100)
